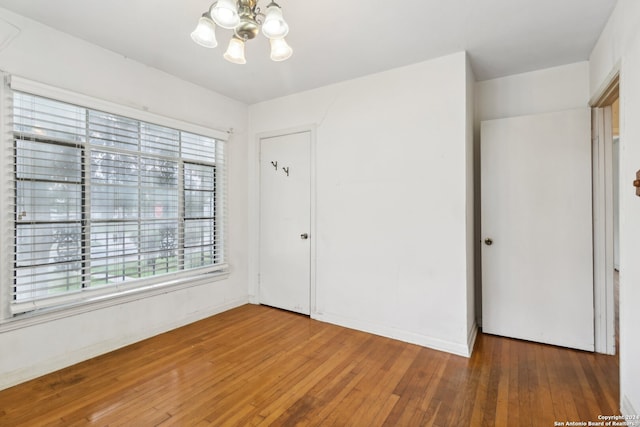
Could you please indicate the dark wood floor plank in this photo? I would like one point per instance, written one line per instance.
(482, 364)
(513, 411)
(260, 366)
(543, 391)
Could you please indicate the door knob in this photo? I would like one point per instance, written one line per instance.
(304, 236)
(488, 242)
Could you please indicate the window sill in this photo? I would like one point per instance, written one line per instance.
(105, 301)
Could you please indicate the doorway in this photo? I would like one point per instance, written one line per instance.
(606, 137)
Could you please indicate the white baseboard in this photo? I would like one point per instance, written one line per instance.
(458, 349)
(627, 408)
(9, 379)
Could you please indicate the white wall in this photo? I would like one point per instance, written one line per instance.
(614, 43)
(473, 223)
(43, 54)
(393, 200)
(543, 91)
(619, 48)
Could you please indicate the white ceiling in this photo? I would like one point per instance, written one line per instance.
(334, 40)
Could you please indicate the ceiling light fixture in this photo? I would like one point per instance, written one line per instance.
(245, 18)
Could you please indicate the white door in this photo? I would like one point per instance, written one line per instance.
(537, 269)
(285, 220)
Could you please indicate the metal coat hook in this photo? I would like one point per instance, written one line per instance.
(275, 164)
(286, 170)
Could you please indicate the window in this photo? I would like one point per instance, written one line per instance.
(105, 203)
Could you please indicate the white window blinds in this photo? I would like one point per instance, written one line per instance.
(107, 204)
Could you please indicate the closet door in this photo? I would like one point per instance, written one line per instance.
(285, 220)
(537, 269)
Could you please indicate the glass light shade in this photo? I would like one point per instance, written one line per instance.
(205, 32)
(235, 51)
(280, 50)
(274, 26)
(225, 13)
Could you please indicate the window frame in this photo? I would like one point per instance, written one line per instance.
(10, 312)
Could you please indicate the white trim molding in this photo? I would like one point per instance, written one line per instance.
(9, 379)
(602, 152)
(627, 408)
(439, 344)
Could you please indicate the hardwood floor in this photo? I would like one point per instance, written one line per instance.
(260, 366)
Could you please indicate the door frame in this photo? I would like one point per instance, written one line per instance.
(602, 154)
(254, 211)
